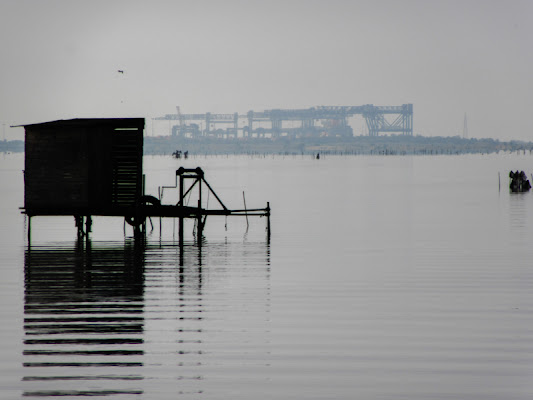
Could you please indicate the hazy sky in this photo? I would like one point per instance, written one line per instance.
(60, 60)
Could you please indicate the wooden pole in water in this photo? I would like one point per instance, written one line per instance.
(79, 225)
(268, 219)
(159, 197)
(200, 227)
(499, 185)
(180, 222)
(88, 226)
(29, 229)
(245, 212)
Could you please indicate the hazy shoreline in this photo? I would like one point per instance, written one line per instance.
(381, 145)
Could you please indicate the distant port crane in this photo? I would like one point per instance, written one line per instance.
(379, 119)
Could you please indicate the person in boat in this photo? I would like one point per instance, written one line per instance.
(519, 181)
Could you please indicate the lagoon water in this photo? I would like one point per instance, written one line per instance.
(406, 277)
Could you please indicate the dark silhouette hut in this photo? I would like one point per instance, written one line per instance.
(83, 167)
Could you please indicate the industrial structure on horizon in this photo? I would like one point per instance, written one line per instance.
(308, 122)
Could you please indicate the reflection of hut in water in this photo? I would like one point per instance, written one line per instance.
(84, 274)
(83, 167)
(83, 308)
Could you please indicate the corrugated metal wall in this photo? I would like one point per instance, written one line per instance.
(56, 169)
(86, 167)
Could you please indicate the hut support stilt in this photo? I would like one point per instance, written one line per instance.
(29, 229)
(83, 225)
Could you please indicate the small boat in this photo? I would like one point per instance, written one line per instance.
(519, 182)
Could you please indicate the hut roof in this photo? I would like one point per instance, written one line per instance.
(122, 122)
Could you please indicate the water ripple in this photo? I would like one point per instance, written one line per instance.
(152, 309)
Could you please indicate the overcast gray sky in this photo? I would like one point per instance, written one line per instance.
(60, 60)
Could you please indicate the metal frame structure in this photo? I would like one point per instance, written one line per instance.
(181, 210)
(376, 118)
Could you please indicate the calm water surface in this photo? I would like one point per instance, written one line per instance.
(385, 278)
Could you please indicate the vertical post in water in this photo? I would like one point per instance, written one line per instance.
(199, 181)
(200, 228)
(79, 225)
(180, 231)
(88, 226)
(268, 219)
(180, 222)
(245, 211)
(159, 197)
(29, 230)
